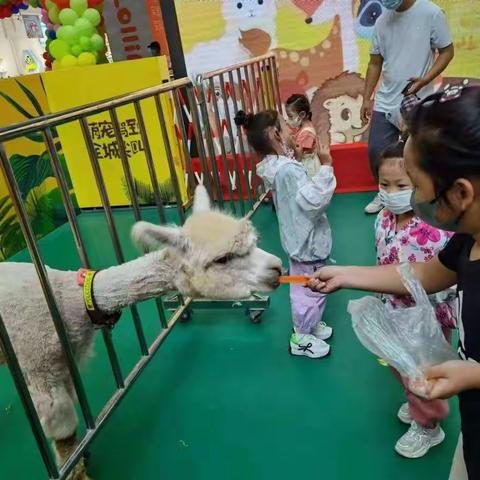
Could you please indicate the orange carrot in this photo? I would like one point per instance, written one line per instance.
(300, 279)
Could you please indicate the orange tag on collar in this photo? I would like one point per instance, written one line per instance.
(81, 275)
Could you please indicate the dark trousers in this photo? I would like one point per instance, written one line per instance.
(382, 134)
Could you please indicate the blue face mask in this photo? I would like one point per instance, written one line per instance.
(391, 4)
(427, 211)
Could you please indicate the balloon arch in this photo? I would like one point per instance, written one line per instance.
(73, 37)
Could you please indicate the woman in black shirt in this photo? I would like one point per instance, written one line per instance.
(442, 156)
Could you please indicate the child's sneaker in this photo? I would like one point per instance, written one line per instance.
(404, 414)
(308, 346)
(419, 440)
(322, 331)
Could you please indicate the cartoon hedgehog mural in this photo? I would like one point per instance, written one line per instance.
(336, 109)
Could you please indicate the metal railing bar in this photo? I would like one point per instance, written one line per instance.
(113, 403)
(26, 399)
(170, 160)
(221, 140)
(232, 139)
(32, 246)
(59, 118)
(150, 164)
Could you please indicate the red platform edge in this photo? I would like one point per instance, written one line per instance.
(350, 162)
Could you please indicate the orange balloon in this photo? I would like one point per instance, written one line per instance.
(62, 4)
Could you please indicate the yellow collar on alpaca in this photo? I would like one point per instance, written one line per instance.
(99, 319)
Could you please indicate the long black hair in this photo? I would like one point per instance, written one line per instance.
(256, 127)
(445, 131)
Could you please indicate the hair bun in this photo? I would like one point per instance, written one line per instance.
(243, 119)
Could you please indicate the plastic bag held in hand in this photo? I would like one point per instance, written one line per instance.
(408, 338)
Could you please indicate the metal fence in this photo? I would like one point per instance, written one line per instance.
(212, 149)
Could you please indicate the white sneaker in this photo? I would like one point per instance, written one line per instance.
(404, 414)
(374, 206)
(308, 346)
(322, 331)
(419, 440)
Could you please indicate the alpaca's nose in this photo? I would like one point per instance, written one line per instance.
(279, 270)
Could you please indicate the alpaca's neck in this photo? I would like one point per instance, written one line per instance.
(146, 277)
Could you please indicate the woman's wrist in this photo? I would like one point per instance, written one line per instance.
(473, 381)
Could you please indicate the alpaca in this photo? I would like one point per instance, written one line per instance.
(326, 12)
(213, 255)
(240, 16)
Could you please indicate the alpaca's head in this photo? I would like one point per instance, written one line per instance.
(215, 255)
(244, 15)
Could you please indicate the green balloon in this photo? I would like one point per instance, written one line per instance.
(98, 43)
(49, 4)
(86, 59)
(76, 49)
(86, 44)
(68, 16)
(93, 16)
(69, 61)
(68, 34)
(59, 48)
(53, 15)
(84, 27)
(79, 6)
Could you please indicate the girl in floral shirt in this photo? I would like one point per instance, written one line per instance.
(402, 237)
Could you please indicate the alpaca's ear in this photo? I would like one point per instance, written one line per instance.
(148, 236)
(201, 202)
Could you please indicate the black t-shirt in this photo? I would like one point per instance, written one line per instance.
(456, 257)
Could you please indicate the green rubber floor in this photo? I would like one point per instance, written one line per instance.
(223, 399)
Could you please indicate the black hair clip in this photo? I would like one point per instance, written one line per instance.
(452, 92)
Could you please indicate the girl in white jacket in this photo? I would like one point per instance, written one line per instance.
(305, 233)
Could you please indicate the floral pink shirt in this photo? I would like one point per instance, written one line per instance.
(414, 242)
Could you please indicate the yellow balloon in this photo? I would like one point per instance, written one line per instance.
(87, 58)
(69, 61)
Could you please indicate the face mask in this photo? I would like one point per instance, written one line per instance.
(398, 202)
(427, 211)
(294, 122)
(391, 4)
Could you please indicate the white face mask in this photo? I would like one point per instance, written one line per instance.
(294, 122)
(398, 202)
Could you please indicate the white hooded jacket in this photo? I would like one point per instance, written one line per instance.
(301, 204)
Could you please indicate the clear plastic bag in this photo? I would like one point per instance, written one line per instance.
(408, 338)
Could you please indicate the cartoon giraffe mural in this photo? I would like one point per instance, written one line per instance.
(343, 9)
(322, 11)
(305, 70)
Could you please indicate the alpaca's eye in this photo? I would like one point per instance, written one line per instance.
(260, 2)
(239, 5)
(223, 260)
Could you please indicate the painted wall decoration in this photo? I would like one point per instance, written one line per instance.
(21, 100)
(322, 47)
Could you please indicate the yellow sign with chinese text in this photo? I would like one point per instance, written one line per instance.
(82, 86)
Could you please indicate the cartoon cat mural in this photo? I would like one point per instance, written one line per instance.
(241, 17)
